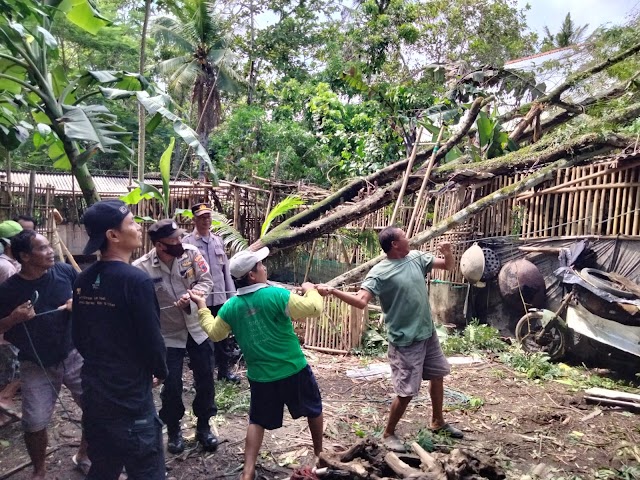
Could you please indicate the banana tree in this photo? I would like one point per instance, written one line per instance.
(71, 129)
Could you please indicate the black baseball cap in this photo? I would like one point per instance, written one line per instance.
(100, 217)
(166, 228)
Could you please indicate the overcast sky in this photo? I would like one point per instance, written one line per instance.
(594, 12)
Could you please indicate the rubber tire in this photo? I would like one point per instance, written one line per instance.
(531, 324)
(606, 284)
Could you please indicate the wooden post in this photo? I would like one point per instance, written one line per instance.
(308, 269)
(31, 194)
(273, 176)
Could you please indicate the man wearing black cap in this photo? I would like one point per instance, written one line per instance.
(174, 269)
(212, 249)
(116, 327)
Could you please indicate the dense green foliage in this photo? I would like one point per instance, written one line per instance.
(326, 91)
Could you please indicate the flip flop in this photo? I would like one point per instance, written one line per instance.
(394, 444)
(82, 465)
(448, 431)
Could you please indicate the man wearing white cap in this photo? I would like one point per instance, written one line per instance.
(260, 318)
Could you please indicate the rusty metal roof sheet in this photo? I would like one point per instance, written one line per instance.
(107, 186)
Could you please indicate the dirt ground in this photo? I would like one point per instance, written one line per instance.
(529, 428)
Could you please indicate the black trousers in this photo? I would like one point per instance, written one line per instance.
(220, 349)
(133, 443)
(204, 405)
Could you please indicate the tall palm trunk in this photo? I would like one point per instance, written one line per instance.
(141, 112)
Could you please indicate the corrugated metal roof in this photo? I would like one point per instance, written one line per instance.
(65, 183)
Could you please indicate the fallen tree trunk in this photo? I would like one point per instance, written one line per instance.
(582, 147)
(545, 173)
(381, 177)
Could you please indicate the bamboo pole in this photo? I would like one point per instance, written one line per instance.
(617, 206)
(635, 229)
(407, 173)
(547, 220)
(596, 202)
(425, 179)
(588, 207)
(308, 269)
(628, 192)
(571, 200)
(581, 205)
(536, 217)
(563, 207)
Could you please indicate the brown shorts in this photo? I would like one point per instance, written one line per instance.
(40, 389)
(419, 361)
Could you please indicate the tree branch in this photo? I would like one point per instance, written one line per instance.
(381, 177)
(463, 215)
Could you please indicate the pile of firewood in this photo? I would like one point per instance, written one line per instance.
(368, 460)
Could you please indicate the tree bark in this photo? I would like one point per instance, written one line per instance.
(583, 147)
(141, 111)
(463, 215)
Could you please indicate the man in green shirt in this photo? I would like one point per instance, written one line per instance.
(414, 349)
(260, 318)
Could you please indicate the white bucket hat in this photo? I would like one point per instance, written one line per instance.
(242, 262)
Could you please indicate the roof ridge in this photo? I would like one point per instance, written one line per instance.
(541, 54)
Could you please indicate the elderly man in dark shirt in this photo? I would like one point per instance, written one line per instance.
(116, 326)
(47, 356)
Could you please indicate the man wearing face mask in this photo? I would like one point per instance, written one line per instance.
(174, 268)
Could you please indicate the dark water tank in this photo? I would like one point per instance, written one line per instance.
(521, 280)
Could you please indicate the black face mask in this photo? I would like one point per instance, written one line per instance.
(174, 250)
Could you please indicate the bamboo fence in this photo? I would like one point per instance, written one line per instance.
(338, 330)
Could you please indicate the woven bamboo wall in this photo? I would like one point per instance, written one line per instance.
(338, 330)
(17, 200)
(601, 199)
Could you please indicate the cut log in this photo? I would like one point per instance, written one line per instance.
(401, 468)
(354, 467)
(358, 450)
(464, 464)
(432, 465)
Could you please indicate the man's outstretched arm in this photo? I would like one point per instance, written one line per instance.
(359, 299)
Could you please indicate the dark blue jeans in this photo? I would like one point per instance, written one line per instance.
(204, 405)
(133, 443)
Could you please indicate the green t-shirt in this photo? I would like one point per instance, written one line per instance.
(402, 289)
(264, 331)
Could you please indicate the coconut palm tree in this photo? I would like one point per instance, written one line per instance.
(569, 34)
(202, 64)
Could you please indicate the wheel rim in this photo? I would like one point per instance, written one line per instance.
(552, 343)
